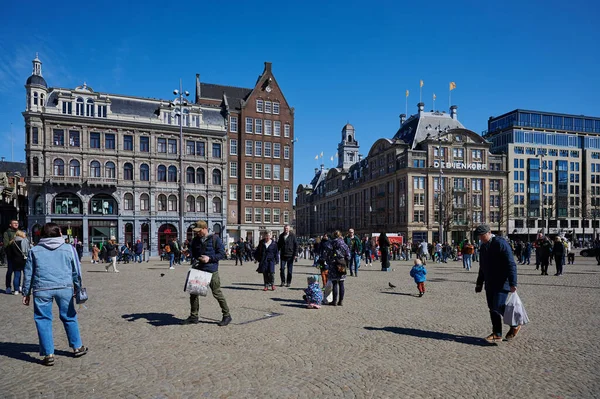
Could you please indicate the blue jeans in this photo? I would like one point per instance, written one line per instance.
(290, 267)
(17, 280)
(171, 259)
(137, 258)
(354, 261)
(42, 315)
(467, 261)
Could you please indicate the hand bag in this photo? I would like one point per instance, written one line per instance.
(197, 282)
(514, 312)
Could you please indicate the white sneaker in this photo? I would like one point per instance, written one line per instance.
(16, 293)
(116, 271)
(171, 268)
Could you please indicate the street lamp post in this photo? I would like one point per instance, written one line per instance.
(180, 103)
(440, 190)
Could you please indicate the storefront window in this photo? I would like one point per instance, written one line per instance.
(65, 204)
(103, 205)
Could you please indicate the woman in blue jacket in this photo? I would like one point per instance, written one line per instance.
(267, 256)
(52, 274)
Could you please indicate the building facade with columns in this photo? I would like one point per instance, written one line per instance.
(102, 165)
(260, 155)
(433, 176)
(554, 181)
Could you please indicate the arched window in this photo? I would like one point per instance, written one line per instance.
(95, 169)
(144, 172)
(172, 174)
(190, 204)
(35, 98)
(162, 202)
(216, 202)
(172, 202)
(128, 202)
(216, 177)
(144, 202)
(200, 176)
(89, 109)
(110, 170)
(128, 171)
(79, 107)
(42, 99)
(200, 204)
(190, 175)
(161, 174)
(66, 204)
(36, 166)
(74, 168)
(59, 167)
(103, 204)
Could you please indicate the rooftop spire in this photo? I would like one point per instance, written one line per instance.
(37, 66)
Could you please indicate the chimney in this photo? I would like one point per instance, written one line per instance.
(402, 119)
(322, 166)
(268, 67)
(198, 93)
(421, 107)
(453, 111)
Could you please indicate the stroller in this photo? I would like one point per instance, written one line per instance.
(124, 255)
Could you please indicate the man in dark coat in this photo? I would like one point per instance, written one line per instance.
(497, 269)
(288, 248)
(207, 251)
(240, 249)
(9, 235)
(543, 252)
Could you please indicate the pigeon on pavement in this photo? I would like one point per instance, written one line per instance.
(391, 285)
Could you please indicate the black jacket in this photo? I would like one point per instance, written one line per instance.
(288, 247)
(497, 267)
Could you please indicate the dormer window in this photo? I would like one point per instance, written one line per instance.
(89, 109)
(79, 107)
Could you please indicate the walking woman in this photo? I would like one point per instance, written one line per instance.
(384, 245)
(52, 274)
(267, 256)
(558, 252)
(111, 249)
(338, 256)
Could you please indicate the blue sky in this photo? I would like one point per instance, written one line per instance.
(336, 61)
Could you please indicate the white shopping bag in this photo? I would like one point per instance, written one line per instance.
(328, 292)
(197, 282)
(514, 313)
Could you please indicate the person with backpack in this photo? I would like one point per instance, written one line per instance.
(17, 253)
(337, 256)
(355, 246)
(207, 251)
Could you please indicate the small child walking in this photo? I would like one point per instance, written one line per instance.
(313, 294)
(418, 272)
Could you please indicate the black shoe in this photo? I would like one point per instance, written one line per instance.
(226, 320)
(287, 285)
(340, 303)
(191, 320)
(80, 351)
(421, 294)
(48, 360)
(282, 284)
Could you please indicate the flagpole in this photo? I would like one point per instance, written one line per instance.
(434, 101)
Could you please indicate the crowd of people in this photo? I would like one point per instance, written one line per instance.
(51, 272)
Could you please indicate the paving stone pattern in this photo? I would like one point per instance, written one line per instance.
(383, 343)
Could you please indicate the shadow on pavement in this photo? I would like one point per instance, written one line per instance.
(398, 293)
(251, 284)
(462, 339)
(155, 319)
(241, 288)
(19, 351)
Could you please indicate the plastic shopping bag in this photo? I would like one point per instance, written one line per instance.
(197, 282)
(328, 292)
(514, 312)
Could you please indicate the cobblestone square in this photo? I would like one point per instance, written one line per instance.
(383, 343)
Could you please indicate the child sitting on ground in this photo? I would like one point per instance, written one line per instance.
(313, 294)
(418, 272)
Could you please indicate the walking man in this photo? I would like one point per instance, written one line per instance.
(497, 269)
(9, 235)
(355, 246)
(207, 251)
(239, 252)
(467, 252)
(288, 248)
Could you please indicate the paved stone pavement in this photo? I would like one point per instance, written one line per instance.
(383, 343)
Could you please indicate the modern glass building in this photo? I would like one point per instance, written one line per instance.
(552, 176)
